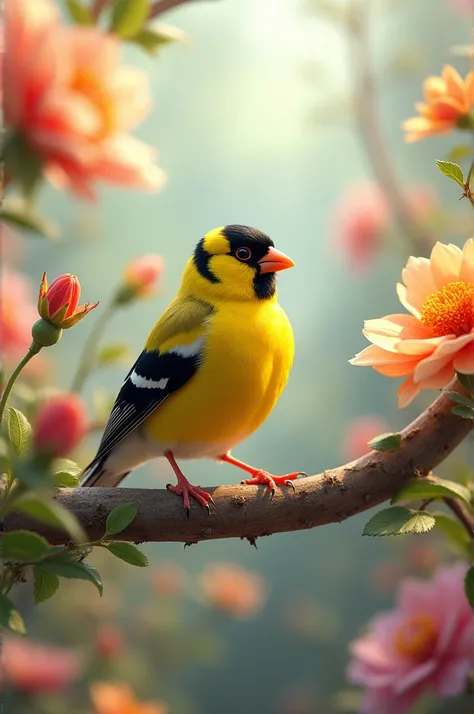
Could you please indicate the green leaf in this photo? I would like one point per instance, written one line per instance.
(398, 520)
(453, 530)
(128, 16)
(80, 14)
(386, 442)
(462, 474)
(461, 399)
(153, 39)
(19, 216)
(458, 153)
(428, 488)
(18, 430)
(23, 163)
(114, 354)
(466, 381)
(45, 585)
(128, 552)
(452, 171)
(53, 514)
(469, 586)
(10, 617)
(463, 412)
(120, 518)
(23, 546)
(67, 473)
(68, 568)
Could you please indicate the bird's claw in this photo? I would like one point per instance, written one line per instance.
(266, 479)
(183, 488)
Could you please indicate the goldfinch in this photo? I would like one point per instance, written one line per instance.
(212, 369)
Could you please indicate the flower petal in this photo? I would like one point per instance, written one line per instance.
(464, 360)
(407, 392)
(418, 278)
(445, 261)
(466, 272)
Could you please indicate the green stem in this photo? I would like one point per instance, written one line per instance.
(89, 353)
(32, 351)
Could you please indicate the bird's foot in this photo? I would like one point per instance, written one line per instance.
(265, 478)
(186, 490)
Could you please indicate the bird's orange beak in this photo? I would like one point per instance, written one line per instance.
(275, 260)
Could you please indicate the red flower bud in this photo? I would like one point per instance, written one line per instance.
(60, 425)
(59, 303)
(140, 278)
(109, 641)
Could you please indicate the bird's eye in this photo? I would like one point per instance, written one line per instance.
(243, 253)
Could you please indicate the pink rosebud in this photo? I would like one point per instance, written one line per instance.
(425, 643)
(35, 668)
(58, 303)
(143, 274)
(60, 425)
(109, 641)
(359, 432)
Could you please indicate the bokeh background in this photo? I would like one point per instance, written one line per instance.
(254, 123)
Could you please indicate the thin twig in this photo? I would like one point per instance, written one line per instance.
(251, 511)
(97, 7)
(462, 514)
(158, 8)
(370, 128)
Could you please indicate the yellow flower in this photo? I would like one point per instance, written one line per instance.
(116, 698)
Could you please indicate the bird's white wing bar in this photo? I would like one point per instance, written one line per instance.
(194, 348)
(147, 383)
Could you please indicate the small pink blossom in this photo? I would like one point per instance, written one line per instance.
(143, 274)
(359, 432)
(60, 425)
(232, 589)
(33, 668)
(70, 100)
(463, 7)
(425, 643)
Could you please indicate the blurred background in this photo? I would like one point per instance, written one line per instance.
(259, 120)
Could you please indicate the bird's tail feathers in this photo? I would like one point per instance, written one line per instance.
(97, 475)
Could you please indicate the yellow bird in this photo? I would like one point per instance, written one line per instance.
(212, 369)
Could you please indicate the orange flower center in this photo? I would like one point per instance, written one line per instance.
(90, 85)
(416, 638)
(450, 311)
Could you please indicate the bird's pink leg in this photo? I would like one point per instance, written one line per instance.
(260, 476)
(183, 487)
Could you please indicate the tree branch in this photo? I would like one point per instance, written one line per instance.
(370, 129)
(250, 512)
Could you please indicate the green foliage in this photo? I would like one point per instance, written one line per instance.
(66, 567)
(23, 546)
(120, 518)
(466, 381)
(463, 412)
(430, 488)
(52, 513)
(469, 586)
(152, 40)
(386, 442)
(10, 617)
(19, 431)
(80, 14)
(115, 353)
(45, 585)
(452, 171)
(23, 217)
(398, 520)
(460, 152)
(22, 162)
(67, 473)
(128, 552)
(128, 17)
(461, 399)
(453, 530)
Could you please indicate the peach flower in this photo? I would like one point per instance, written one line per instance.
(33, 667)
(425, 643)
(448, 103)
(67, 96)
(230, 588)
(111, 698)
(142, 275)
(359, 432)
(436, 339)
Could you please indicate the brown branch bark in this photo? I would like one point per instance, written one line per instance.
(370, 128)
(250, 512)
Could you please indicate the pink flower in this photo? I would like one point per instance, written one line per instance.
(66, 95)
(60, 425)
(109, 641)
(169, 579)
(34, 668)
(230, 588)
(437, 338)
(463, 7)
(362, 217)
(17, 315)
(143, 274)
(426, 643)
(359, 432)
